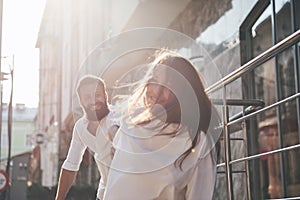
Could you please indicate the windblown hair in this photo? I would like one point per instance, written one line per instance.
(174, 114)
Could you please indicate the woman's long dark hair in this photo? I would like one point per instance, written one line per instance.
(184, 67)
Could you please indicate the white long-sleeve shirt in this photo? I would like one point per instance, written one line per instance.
(143, 166)
(99, 144)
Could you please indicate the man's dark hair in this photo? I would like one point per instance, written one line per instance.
(89, 79)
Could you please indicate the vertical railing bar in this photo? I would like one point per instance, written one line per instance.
(278, 97)
(228, 168)
(247, 171)
(296, 64)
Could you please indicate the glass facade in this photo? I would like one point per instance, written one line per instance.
(243, 33)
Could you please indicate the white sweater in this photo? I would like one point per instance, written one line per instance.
(143, 166)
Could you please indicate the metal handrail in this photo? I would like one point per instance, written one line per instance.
(253, 105)
(239, 102)
(260, 155)
(255, 62)
(269, 152)
(247, 67)
(264, 109)
(255, 113)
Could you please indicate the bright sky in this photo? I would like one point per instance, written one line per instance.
(21, 21)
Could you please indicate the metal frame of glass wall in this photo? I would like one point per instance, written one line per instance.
(246, 55)
(246, 69)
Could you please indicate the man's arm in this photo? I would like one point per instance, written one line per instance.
(111, 134)
(72, 163)
(66, 179)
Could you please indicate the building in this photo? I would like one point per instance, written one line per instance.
(23, 126)
(19, 176)
(75, 38)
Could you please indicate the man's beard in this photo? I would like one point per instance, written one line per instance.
(98, 114)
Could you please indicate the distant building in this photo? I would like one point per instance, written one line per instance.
(19, 176)
(23, 125)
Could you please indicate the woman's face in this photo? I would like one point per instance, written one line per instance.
(157, 94)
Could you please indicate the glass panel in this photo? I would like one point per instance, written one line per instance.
(227, 26)
(269, 165)
(221, 39)
(265, 89)
(262, 33)
(283, 19)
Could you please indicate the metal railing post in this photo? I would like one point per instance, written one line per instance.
(228, 168)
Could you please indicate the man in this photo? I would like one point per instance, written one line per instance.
(93, 130)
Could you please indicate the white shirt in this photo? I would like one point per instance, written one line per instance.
(143, 166)
(99, 144)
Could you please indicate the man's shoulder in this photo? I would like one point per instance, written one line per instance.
(114, 115)
(81, 123)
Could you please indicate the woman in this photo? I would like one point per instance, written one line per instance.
(163, 149)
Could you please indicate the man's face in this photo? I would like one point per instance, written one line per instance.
(93, 101)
